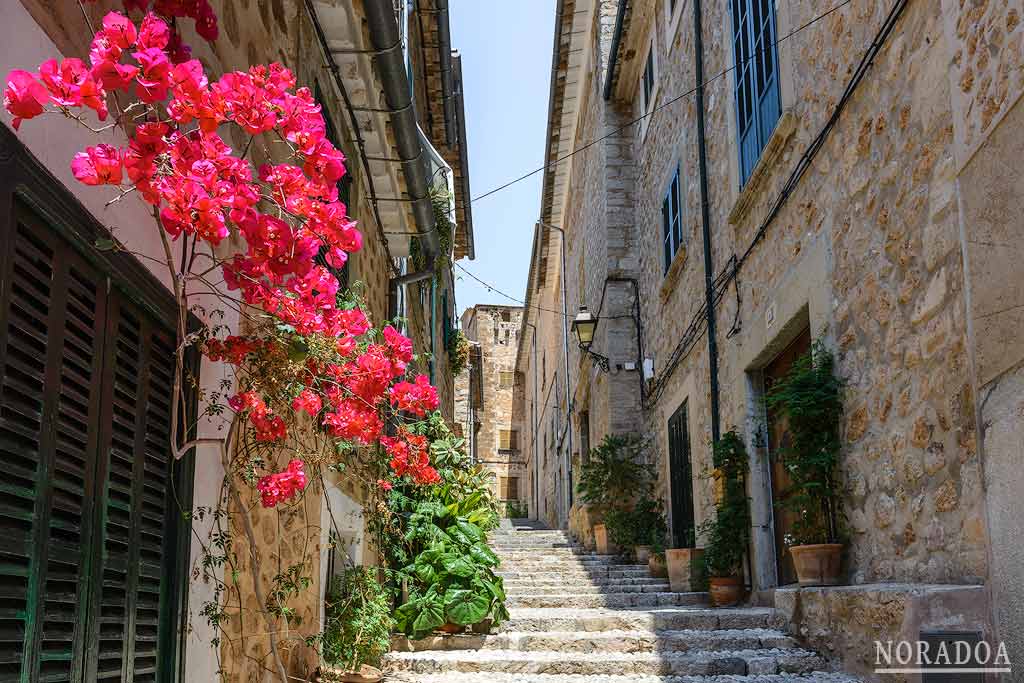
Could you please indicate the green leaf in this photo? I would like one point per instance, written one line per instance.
(458, 566)
(484, 555)
(466, 606)
(430, 617)
(471, 531)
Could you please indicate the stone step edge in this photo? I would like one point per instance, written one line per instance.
(505, 655)
(506, 677)
(468, 641)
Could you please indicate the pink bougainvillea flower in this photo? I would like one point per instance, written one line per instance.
(399, 345)
(24, 97)
(119, 30)
(410, 455)
(281, 486)
(71, 84)
(99, 165)
(308, 401)
(417, 397)
(154, 79)
(153, 32)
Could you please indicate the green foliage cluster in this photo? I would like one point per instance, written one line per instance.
(516, 509)
(357, 620)
(458, 352)
(434, 541)
(727, 534)
(614, 473)
(617, 483)
(451, 578)
(809, 396)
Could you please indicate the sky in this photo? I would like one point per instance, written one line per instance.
(506, 71)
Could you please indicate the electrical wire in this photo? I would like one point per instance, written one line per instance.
(616, 131)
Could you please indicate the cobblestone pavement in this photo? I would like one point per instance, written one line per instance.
(581, 617)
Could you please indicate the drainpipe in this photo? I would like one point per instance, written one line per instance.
(705, 217)
(384, 34)
(613, 52)
(444, 56)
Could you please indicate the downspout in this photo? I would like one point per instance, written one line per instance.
(533, 414)
(384, 34)
(613, 52)
(705, 217)
(444, 56)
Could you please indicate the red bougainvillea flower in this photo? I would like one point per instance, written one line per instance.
(24, 97)
(417, 397)
(355, 422)
(399, 345)
(308, 401)
(71, 84)
(281, 486)
(99, 165)
(384, 484)
(409, 455)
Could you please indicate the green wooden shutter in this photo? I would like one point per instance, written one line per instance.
(91, 551)
(52, 308)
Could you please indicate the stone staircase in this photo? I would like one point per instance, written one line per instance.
(578, 616)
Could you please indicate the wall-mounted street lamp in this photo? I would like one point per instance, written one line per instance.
(583, 326)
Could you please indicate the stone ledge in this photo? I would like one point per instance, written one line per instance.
(843, 622)
(668, 284)
(784, 129)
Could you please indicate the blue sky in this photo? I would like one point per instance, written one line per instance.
(506, 68)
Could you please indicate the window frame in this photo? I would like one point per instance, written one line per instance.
(757, 89)
(672, 232)
(649, 95)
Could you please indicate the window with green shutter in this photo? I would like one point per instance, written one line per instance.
(91, 539)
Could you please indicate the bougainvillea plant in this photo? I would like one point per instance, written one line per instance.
(310, 383)
(199, 11)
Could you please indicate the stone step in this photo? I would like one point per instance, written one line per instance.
(815, 677)
(571, 576)
(566, 555)
(559, 588)
(692, 663)
(614, 600)
(604, 641)
(543, 580)
(653, 619)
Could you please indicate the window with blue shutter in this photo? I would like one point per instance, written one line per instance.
(757, 78)
(672, 221)
(648, 80)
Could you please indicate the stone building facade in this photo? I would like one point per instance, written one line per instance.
(886, 233)
(486, 391)
(332, 50)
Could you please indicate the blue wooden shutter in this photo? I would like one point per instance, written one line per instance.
(758, 105)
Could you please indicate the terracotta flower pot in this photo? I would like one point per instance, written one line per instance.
(725, 591)
(451, 628)
(643, 554)
(819, 564)
(604, 546)
(685, 567)
(658, 568)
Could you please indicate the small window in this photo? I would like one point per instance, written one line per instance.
(672, 221)
(647, 84)
(505, 379)
(508, 488)
(508, 440)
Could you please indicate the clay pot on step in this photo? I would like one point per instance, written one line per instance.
(643, 554)
(819, 564)
(725, 591)
(604, 545)
(451, 628)
(658, 568)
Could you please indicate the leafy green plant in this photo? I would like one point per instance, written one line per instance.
(516, 509)
(643, 524)
(614, 473)
(357, 620)
(727, 534)
(809, 396)
(458, 352)
(451, 578)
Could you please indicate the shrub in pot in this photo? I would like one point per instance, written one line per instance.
(357, 627)
(727, 534)
(809, 396)
(656, 562)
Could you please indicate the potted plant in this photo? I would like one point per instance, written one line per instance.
(727, 534)
(809, 397)
(357, 627)
(656, 562)
(451, 581)
(609, 481)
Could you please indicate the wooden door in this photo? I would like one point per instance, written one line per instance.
(681, 480)
(778, 437)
